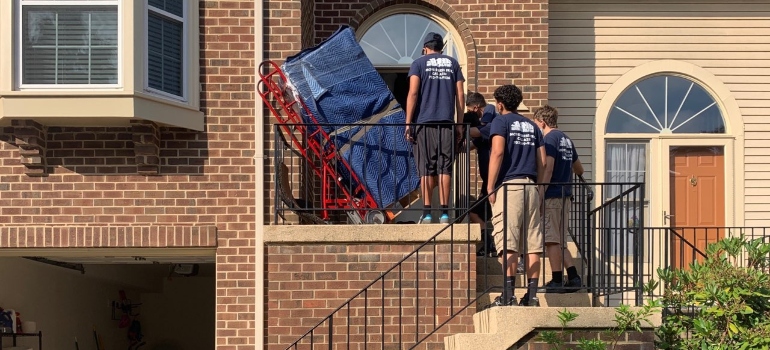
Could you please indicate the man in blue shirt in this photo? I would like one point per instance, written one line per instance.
(560, 162)
(517, 161)
(481, 211)
(434, 101)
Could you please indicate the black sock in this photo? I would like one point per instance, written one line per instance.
(557, 276)
(572, 272)
(532, 287)
(444, 210)
(426, 210)
(510, 284)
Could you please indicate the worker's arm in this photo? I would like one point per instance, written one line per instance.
(541, 166)
(460, 101)
(495, 161)
(577, 167)
(411, 102)
(548, 170)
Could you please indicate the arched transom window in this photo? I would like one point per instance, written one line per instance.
(396, 40)
(666, 104)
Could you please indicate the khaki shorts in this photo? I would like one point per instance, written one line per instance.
(521, 226)
(557, 220)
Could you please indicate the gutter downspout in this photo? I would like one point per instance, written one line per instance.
(259, 178)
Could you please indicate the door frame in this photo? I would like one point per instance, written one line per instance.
(733, 139)
(663, 175)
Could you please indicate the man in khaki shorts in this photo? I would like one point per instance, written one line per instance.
(517, 161)
(560, 162)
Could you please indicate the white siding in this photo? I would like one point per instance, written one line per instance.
(592, 43)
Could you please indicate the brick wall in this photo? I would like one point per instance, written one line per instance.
(204, 178)
(644, 340)
(308, 281)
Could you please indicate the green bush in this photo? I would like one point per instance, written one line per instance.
(720, 303)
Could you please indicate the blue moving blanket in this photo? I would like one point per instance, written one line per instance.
(340, 85)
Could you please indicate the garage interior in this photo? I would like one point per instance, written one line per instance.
(110, 300)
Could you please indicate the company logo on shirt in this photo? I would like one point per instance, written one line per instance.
(522, 133)
(565, 148)
(439, 68)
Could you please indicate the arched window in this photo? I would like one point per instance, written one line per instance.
(665, 104)
(392, 39)
(396, 40)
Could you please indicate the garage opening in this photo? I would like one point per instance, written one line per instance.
(107, 302)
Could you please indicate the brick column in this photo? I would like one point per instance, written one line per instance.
(31, 139)
(146, 136)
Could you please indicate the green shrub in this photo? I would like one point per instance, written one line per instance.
(720, 303)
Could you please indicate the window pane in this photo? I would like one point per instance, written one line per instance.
(625, 163)
(165, 54)
(171, 6)
(396, 40)
(69, 44)
(665, 104)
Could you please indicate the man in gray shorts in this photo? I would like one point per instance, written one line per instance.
(435, 101)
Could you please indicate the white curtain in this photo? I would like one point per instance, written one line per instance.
(626, 163)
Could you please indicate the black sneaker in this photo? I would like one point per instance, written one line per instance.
(573, 285)
(527, 301)
(499, 302)
(552, 287)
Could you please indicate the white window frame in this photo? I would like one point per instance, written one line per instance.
(59, 87)
(185, 48)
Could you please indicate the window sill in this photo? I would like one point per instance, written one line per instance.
(97, 108)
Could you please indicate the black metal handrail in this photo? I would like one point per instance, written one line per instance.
(398, 293)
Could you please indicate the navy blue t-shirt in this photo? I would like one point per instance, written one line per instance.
(439, 75)
(522, 140)
(483, 144)
(559, 146)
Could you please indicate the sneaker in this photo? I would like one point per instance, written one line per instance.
(573, 285)
(499, 302)
(527, 301)
(552, 287)
(520, 269)
(444, 219)
(426, 219)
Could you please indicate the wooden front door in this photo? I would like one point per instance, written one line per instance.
(697, 180)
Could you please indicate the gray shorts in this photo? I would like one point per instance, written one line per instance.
(434, 148)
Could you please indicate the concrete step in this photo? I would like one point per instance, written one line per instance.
(499, 328)
(577, 299)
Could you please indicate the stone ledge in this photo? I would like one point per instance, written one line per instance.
(502, 327)
(395, 233)
(107, 236)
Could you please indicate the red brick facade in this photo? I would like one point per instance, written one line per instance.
(150, 186)
(307, 282)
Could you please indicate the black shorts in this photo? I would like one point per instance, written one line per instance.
(433, 149)
(481, 207)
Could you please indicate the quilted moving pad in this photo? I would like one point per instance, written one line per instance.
(340, 85)
(337, 81)
(380, 156)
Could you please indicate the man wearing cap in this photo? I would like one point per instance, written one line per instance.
(434, 101)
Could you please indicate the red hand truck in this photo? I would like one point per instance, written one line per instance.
(357, 201)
